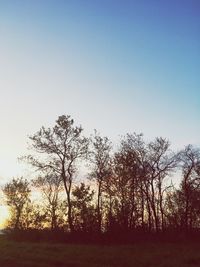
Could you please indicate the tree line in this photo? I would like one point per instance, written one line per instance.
(128, 189)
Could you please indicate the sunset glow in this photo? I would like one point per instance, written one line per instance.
(132, 58)
(4, 216)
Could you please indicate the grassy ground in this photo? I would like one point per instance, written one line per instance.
(21, 254)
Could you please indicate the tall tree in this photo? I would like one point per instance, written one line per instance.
(161, 163)
(59, 149)
(190, 185)
(101, 168)
(134, 146)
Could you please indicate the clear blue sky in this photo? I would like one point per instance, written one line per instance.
(117, 66)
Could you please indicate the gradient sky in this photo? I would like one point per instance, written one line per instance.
(117, 66)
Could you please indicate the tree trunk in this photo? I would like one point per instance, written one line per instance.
(69, 213)
(142, 208)
(99, 208)
(17, 219)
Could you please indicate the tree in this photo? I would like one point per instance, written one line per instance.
(125, 183)
(33, 216)
(101, 168)
(161, 163)
(51, 187)
(140, 171)
(59, 149)
(135, 150)
(17, 193)
(84, 212)
(190, 186)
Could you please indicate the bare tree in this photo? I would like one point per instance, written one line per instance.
(60, 148)
(101, 168)
(190, 185)
(161, 163)
(51, 186)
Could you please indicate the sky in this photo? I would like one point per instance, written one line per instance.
(115, 66)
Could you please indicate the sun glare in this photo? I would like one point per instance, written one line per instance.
(4, 216)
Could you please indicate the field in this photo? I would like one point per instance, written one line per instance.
(24, 254)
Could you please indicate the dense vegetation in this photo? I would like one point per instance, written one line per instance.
(129, 191)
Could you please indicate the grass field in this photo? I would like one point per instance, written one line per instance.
(23, 254)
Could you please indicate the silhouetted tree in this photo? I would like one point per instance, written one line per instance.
(51, 186)
(127, 169)
(84, 211)
(60, 148)
(34, 216)
(110, 202)
(17, 193)
(190, 187)
(161, 163)
(101, 168)
(134, 146)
